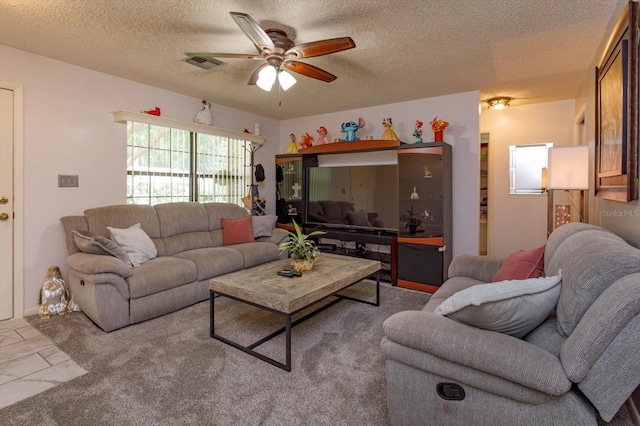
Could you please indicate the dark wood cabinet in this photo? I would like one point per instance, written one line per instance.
(424, 179)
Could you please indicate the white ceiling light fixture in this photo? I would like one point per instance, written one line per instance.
(286, 80)
(266, 78)
(499, 103)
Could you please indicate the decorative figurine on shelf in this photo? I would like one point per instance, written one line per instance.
(350, 129)
(204, 115)
(426, 214)
(307, 140)
(55, 297)
(427, 172)
(296, 190)
(323, 136)
(291, 209)
(389, 134)
(414, 194)
(293, 147)
(417, 131)
(156, 111)
(438, 125)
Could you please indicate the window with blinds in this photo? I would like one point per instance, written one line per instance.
(166, 165)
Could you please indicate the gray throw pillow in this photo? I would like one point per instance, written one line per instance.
(136, 243)
(263, 226)
(91, 243)
(359, 218)
(513, 307)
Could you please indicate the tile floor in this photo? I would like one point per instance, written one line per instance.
(30, 363)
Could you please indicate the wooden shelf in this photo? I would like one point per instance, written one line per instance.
(355, 146)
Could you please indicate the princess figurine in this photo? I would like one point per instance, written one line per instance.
(417, 131)
(293, 147)
(323, 136)
(388, 134)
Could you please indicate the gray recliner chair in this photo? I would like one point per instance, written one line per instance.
(584, 358)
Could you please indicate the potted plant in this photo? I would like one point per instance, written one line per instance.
(412, 220)
(301, 247)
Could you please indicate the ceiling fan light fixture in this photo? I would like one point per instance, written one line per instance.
(266, 78)
(286, 80)
(498, 103)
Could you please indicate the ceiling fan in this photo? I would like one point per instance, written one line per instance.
(279, 50)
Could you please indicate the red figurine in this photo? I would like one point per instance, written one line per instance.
(155, 111)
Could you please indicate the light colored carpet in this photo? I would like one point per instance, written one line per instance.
(168, 371)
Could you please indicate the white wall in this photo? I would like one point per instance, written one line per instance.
(69, 129)
(460, 110)
(520, 221)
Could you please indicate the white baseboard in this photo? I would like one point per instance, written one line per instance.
(31, 311)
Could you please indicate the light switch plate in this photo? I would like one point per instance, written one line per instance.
(67, 181)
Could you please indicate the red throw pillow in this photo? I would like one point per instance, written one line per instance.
(521, 265)
(236, 231)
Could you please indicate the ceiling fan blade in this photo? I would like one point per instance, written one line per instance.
(309, 71)
(252, 30)
(319, 48)
(254, 77)
(223, 55)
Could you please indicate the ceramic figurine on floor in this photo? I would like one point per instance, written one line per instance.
(388, 134)
(417, 131)
(293, 147)
(55, 298)
(350, 129)
(323, 136)
(307, 140)
(204, 115)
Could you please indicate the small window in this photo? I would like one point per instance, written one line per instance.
(525, 168)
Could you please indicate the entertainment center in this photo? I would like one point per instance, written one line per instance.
(367, 195)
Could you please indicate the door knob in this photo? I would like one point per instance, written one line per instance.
(4, 200)
(4, 216)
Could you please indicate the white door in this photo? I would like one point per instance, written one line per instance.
(6, 204)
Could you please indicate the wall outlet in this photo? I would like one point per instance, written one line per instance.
(67, 181)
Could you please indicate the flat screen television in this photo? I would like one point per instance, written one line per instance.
(369, 191)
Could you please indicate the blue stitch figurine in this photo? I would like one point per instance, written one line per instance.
(350, 129)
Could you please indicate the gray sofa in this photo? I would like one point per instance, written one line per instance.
(189, 241)
(583, 358)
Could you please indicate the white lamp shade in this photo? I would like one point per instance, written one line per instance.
(266, 78)
(568, 167)
(286, 80)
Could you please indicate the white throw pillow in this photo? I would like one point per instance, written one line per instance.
(136, 243)
(263, 225)
(513, 307)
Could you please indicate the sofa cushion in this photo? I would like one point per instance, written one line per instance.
(591, 261)
(513, 307)
(521, 265)
(213, 261)
(136, 243)
(257, 253)
(237, 231)
(91, 243)
(218, 211)
(159, 274)
(263, 226)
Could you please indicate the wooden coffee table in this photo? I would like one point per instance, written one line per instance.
(261, 287)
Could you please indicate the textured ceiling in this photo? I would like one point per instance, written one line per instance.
(534, 51)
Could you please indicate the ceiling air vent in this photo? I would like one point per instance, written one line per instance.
(204, 63)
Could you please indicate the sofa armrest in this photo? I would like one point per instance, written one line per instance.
(98, 264)
(494, 353)
(481, 268)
